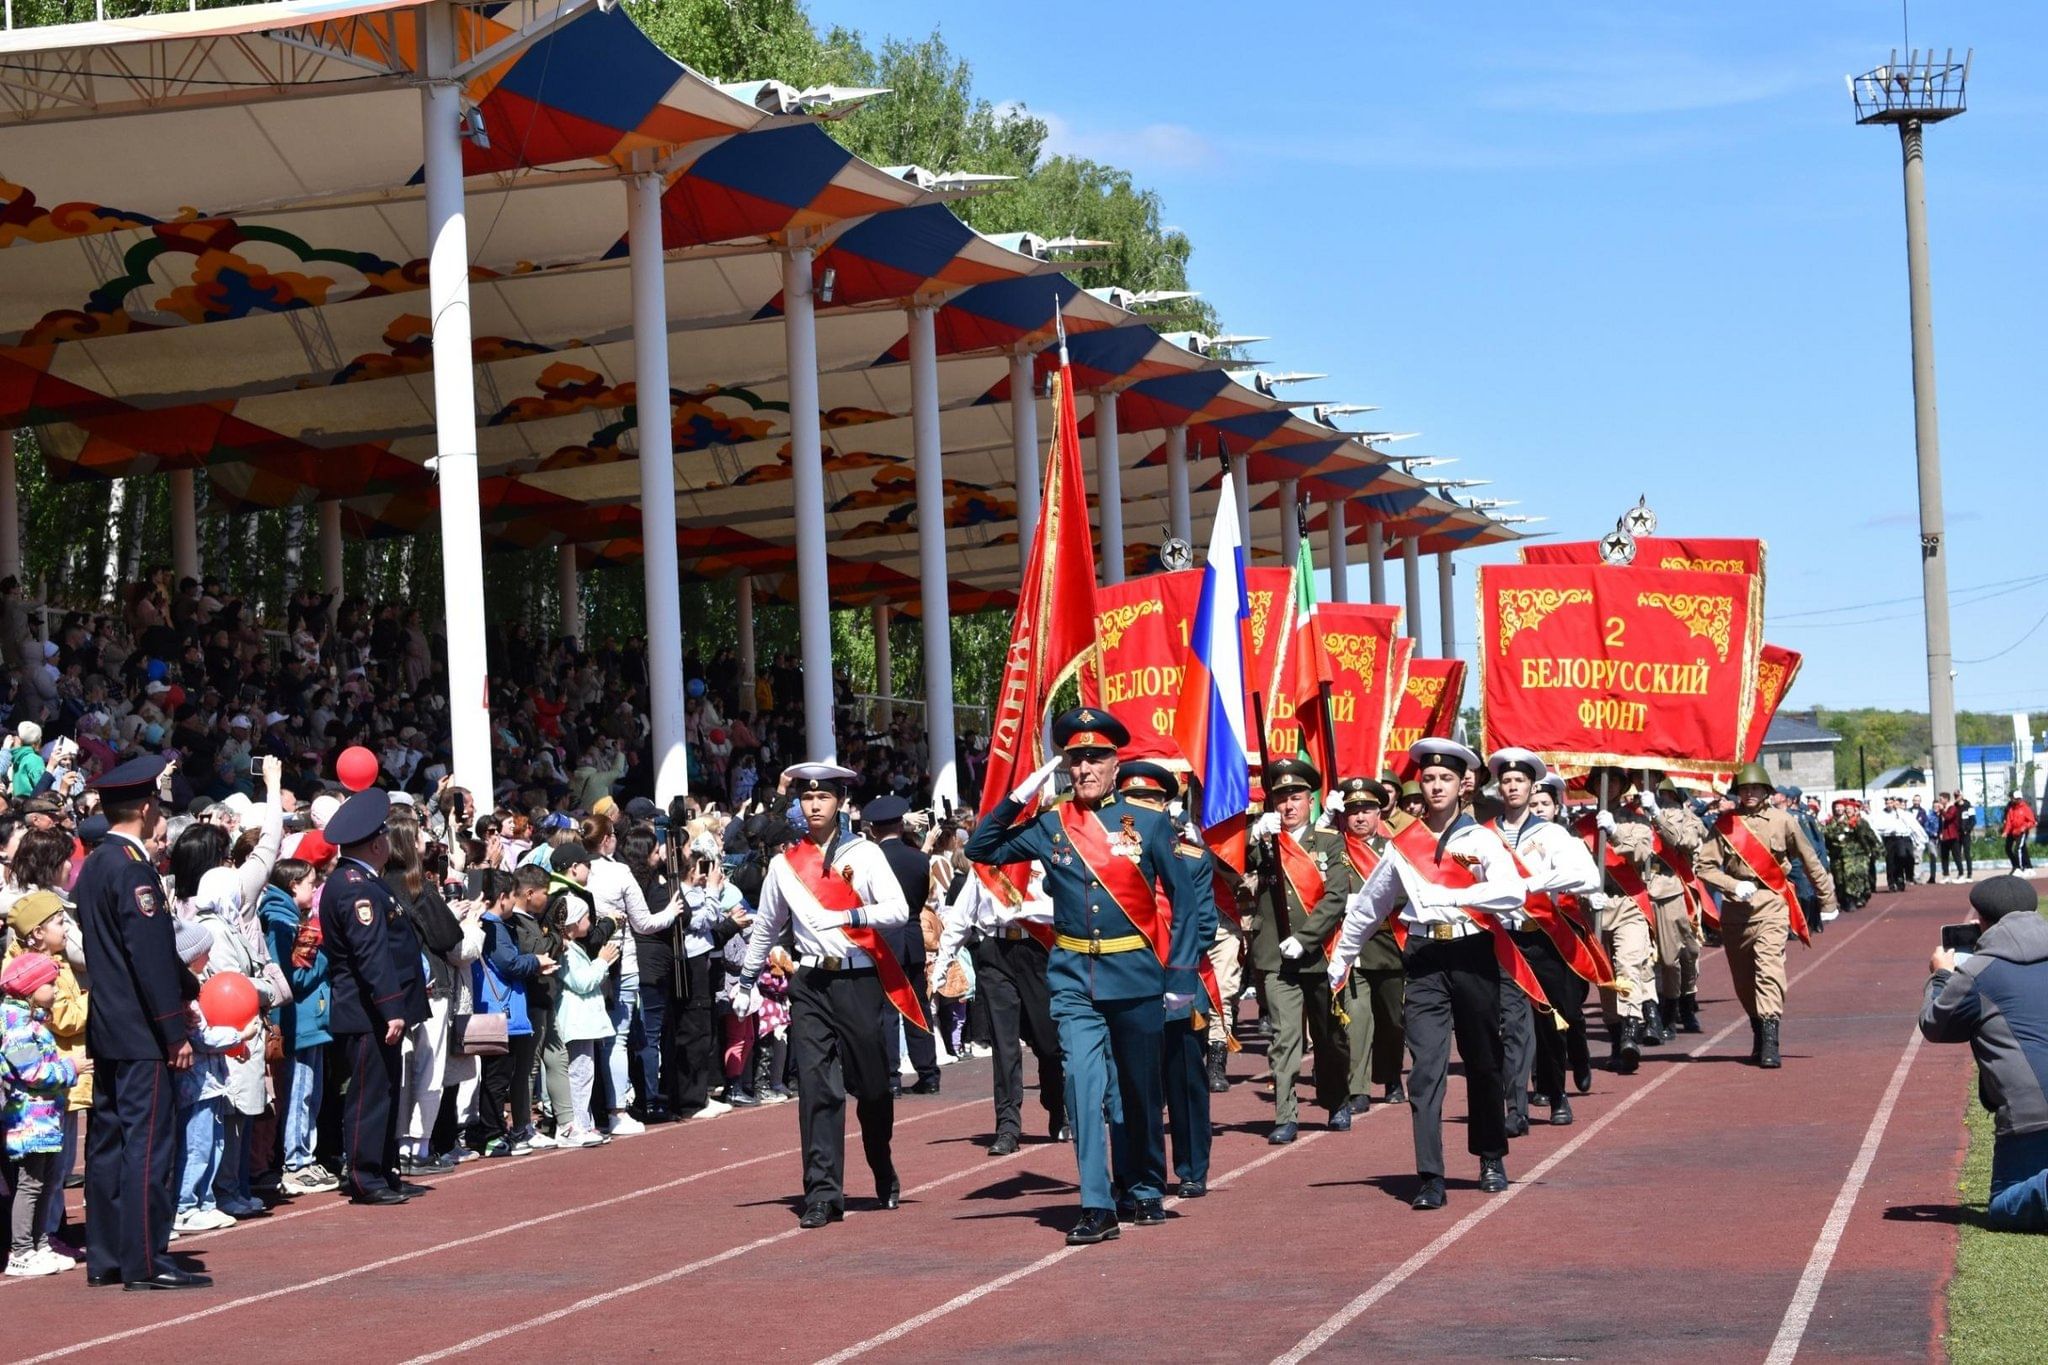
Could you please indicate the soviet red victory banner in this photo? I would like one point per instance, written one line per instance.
(1594, 664)
(1702, 554)
(1269, 593)
(1776, 667)
(1427, 707)
(1394, 747)
(1141, 637)
(1358, 640)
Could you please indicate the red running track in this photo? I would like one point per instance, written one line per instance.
(1677, 1220)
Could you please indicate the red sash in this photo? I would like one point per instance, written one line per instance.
(1622, 872)
(1588, 960)
(1363, 861)
(1698, 903)
(1133, 893)
(1306, 880)
(1418, 844)
(1763, 866)
(835, 894)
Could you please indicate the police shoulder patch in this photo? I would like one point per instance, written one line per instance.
(148, 900)
(366, 912)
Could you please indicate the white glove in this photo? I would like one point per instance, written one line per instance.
(938, 974)
(1742, 891)
(1175, 1001)
(1290, 948)
(1031, 785)
(746, 1001)
(1266, 826)
(1605, 821)
(1337, 975)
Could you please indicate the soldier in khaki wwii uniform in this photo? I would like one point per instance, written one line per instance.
(1679, 834)
(1372, 997)
(1625, 919)
(1302, 882)
(1745, 858)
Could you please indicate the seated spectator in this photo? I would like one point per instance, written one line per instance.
(1996, 1000)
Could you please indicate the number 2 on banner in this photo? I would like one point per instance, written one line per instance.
(1614, 629)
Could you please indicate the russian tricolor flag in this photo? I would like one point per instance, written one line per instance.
(1209, 723)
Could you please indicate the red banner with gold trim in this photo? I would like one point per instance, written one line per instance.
(1700, 554)
(1776, 667)
(1600, 664)
(1141, 637)
(1426, 708)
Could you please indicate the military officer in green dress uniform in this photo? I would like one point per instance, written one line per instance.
(1372, 997)
(1302, 882)
(1117, 966)
(1184, 1052)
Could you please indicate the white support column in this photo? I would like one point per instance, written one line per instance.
(10, 513)
(1339, 529)
(1290, 527)
(934, 592)
(1179, 514)
(331, 571)
(1024, 442)
(184, 526)
(1411, 583)
(656, 433)
(885, 666)
(743, 590)
(1447, 607)
(462, 569)
(807, 490)
(1242, 474)
(1376, 561)
(570, 590)
(1109, 489)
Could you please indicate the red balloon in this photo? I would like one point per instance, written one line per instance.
(228, 1000)
(357, 768)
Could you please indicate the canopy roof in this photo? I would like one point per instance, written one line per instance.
(256, 310)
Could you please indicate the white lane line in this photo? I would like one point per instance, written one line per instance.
(352, 1272)
(668, 1276)
(1800, 1312)
(1046, 1262)
(1401, 1273)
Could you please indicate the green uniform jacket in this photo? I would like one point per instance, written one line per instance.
(1311, 924)
(1380, 953)
(1850, 849)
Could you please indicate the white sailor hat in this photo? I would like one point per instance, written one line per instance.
(830, 777)
(1524, 760)
(1446, 753)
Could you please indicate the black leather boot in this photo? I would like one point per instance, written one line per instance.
(1767, 1052)
(1756, 1041)
(1689, 1014)
(1628, 1048)
(1219, 1075)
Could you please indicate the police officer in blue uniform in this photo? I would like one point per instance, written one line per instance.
(1110, 990)
(1185, 1047)
(136, 1034)
(378, 993)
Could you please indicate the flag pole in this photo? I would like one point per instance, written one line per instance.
(1324, 690)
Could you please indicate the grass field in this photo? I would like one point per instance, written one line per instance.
(1998, 1301)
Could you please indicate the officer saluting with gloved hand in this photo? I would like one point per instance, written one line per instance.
(1115, 967)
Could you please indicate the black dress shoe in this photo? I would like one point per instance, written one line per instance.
(928, 1086)
(1004, 1145)
(172, 1279)
(817, 1215)
(1340, 1119)
(1517, 1127)
(890, 1195)
(1096, 1225)
(1561, 1113)
(1430, 1196)
(1493, 1176)
(1582, 1079)
(101, 1279)
(1396, 1094)
(1361, 1104)
(1060, 1131)
(1150, 1214)
(1193, 1189)
(1126, 1210)
(1282, 1134)
(410, 1190)
(387, 1195)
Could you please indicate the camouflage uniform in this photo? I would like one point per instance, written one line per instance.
(1852, 844)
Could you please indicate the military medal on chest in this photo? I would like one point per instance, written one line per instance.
(1126, 843)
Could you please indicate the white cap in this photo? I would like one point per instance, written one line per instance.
(1511, 757)
(1444, 751)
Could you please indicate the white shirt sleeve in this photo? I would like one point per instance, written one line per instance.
(771, 917)
(1499, 889)
(882, 903)
(1568, 864)
(1368, 905)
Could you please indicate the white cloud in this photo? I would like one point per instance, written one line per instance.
(1151, 146)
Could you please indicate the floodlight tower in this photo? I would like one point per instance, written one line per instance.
(1911, 95)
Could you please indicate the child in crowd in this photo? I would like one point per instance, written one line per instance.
(741, 1030)
(39, 924)
(583, 1019)
(203, 1095)
(218, 905)
(36, 1078)
(292, 924)
(500, 982)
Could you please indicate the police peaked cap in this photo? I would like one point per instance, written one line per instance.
(360, 819)
(131, 781)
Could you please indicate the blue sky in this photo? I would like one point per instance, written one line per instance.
(1613, 248)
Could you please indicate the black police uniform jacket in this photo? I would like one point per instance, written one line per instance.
(140, 988)
(373, 951)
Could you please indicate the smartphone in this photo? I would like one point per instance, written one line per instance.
(1961, 938)
(473, 884)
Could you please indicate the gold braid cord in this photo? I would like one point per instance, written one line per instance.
(1699, 613)
(1525, 608)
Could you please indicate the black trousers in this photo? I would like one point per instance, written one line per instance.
(369, 1118)
(1454, 991)
(1531, 1042)
(1009, 976)
(836, 1025)
(922, 1044)
(131, 1168)
(1184, 1064)
(1898, 861)
(690, 1062)
(506, 1081)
